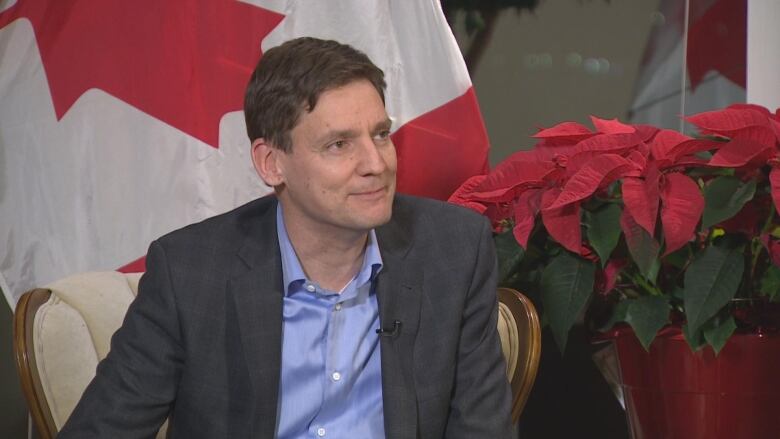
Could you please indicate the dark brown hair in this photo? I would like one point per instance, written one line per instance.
(290, 78)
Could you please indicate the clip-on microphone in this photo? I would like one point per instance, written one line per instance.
(390, 332)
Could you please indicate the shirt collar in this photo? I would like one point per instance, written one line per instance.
(292, 271)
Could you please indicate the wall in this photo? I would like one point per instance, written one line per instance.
(565, 61)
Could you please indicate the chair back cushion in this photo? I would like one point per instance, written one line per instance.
(508, 332)
(72, 333)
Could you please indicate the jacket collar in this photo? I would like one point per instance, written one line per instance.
(257, 295)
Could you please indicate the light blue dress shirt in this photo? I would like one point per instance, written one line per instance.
(331, 380)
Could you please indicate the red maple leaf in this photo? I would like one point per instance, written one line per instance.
(185, 62)
(718, 41)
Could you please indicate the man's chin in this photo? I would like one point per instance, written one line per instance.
(381, 219)
(377, 219)
(369, 215)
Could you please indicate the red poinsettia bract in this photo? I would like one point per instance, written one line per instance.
(571, 164)
(753, 140)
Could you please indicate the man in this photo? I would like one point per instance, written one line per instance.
(334, 309)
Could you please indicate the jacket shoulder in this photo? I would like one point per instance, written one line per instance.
(439, 214)
(222, 229)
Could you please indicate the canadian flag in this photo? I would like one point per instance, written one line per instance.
(121, 120)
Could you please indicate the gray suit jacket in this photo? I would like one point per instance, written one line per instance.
(202, 341)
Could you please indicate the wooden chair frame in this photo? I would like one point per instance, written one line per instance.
(527, 320)
(26, 365)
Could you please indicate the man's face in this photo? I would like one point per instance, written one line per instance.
(340, 173)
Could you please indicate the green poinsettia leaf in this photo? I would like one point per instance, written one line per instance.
(645, 251)
(770, 283)
(643, 247)
(618, 315)
(677, 259)
(510, 255)
(647, 315)
(678, 293)
(695, 339)
(603, 230)
(717, 332)
(724, 197)
(567, 283)
(710, 282)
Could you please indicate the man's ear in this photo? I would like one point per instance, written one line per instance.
(267, 164)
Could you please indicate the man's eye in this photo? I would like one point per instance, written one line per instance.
(383, 135)
(339, 144)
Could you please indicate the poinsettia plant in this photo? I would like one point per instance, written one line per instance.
(664, 228)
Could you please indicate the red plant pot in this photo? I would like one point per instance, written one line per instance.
(671, 392)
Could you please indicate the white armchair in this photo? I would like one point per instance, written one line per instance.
(61, 332)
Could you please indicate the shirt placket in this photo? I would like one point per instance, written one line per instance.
(323, 424)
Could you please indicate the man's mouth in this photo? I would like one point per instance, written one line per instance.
(372, 193)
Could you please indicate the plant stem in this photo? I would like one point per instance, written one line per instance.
(769, 220)
(640, 281)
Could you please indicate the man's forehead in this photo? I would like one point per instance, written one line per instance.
(348, 104)
(347, 131)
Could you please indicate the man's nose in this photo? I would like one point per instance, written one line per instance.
(371, 159)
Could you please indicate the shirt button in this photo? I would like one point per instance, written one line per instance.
(320, 432)
(336, 376)
(338, 307)
(310, 288)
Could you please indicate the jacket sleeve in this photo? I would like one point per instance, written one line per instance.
(481, 401)
(135, 385)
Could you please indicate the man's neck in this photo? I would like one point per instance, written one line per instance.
(331, 258)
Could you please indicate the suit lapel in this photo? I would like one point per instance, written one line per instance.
(258, 295)
(258, 299)
(399, 293)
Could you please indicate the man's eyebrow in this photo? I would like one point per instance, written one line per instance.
(384, 125)
(337, 134)
(350, 134)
